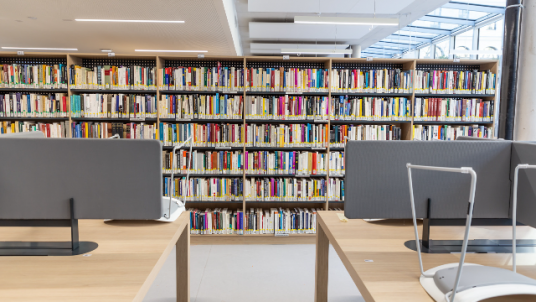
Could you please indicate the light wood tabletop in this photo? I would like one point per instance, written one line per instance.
(383, 269)
(123, 267)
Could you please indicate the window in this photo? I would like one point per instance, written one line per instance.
(442, 49)
(425, 53)
(463, 42)
(411, 55)
(490, 39)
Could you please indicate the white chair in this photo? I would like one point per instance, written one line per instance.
(446, 284)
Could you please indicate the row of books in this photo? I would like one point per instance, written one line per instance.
(237, 79)
(205, 189)
(98, 105)
(448, 132)
(339, 134)
(108, 130)
(43, 76)
(370, 109)
(302, 163)
(202, 106)
(204, 135)
(287, 107)
(449, 109)
(33, 105)
(204, 162)
(336, 189)
(54, 130)
(455, 81)
(218, 78)
(372, 80)
(275, 189)
(254, 221)
(112, 77)
(287, 135)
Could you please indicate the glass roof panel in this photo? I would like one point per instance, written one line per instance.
(484, 2)
(458, 13)
(415, 34)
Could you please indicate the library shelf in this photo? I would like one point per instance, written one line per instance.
(226, 239)
(205, 148)
(199, 120)
(177, 175)
(323, 93)
(213, 201)
(54, 90)
(286, 149)
(198, 92)
(449, 123)
(371, 94)
(261, 121)
(33, 118)
(349, 122)
(113, 91)
(336, 149)
(112, 119)
(453, 95)
(287, 175)
(283, 202)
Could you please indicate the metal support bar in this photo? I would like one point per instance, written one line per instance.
(75, 242)
(426, 227)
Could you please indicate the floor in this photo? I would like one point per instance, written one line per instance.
(240, 273)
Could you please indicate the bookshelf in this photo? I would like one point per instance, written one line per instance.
(159, 62)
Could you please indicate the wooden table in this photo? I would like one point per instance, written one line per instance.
(122, 268)
(393, 274)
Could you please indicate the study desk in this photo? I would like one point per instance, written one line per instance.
(123, 267)
(383, 269)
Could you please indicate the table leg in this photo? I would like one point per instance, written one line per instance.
(183, 265)
(321, 270)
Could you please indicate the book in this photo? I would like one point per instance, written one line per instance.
(54, 130)
(291, 189)
(107, 77)
(300, 163)
(214, 189)
(203, 78)
(204, 135)
(215, 221)
(450, 132)
(336, 163)
(339, 134)
(20, 104)
(272, 78)
(336, 189)
(444, 81)
(33, 75)
(370, 108)
(96, 105)
(371, 80)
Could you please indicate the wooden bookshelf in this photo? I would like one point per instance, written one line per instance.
(327, 63)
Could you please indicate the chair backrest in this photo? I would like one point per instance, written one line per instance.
(376, 182)
(108, 179)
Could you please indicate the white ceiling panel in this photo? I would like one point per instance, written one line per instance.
(206, 25)
(275, 48)
(305, 32)
(329, 6)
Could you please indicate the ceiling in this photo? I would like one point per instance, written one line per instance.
(40, 23)
(271, 23)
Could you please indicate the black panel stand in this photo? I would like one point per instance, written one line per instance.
(474, 246)
(19, 248)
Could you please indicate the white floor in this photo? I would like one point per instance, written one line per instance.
(240, 273)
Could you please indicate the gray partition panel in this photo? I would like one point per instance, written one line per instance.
(31, 134)
(525, 153)
(376, 183)
(116, 179)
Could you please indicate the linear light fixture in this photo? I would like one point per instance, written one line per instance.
(345, 21)
(168, 50)
(317, 51)
(40, 48)
(129, 21)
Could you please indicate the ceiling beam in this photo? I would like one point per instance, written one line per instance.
(447, 20)
(391, 44)
(476, 7)
(428, 30)
(408, 38)
(382, 50)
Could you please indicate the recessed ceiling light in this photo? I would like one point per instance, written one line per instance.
(156, 50)
(129, 21)
(317, 51)
(40, 48)
(106, 50)
(346, 21)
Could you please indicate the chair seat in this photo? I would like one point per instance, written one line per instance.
(478, 276)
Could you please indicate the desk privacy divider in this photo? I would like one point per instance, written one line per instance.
(525, 153)
(377, 180)
(108, 179)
